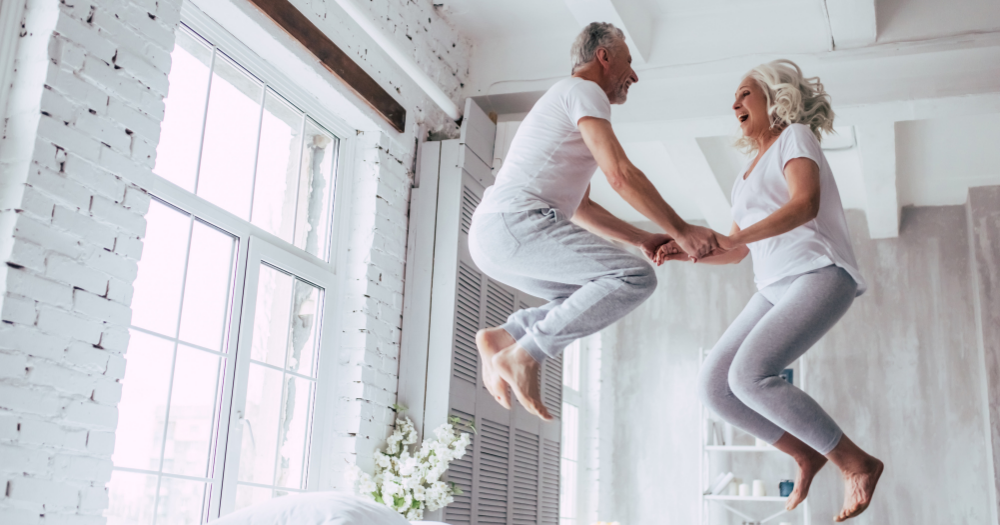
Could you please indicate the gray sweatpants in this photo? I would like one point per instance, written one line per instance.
(589, 282)
(739, 378)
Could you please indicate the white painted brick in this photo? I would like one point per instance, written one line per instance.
(68, 138)
(143, 152)
(113, 265)
(21, 459)
(57, 106)
(107, 393)
(42, 433)
(28, 284)
(61, 188)
(98, 180)
(70, 54)
(54, 493)
(30, 341)
(142, 70)
(100, 442)
(120, 292)
(12, 366)
(156, 32)
(98, 307)
(92, 415)
(62, 323)
(85, 227)
(104, 130)
(20, 516)
(18, 310)
(21, 399)
(86, 357)
(48, 155)
(60, 378)
(113, 213)
(107, 78)
(125, 168)
(37, 204)
(28, 228)
(28, 255)
(87, 36)
(129, 246)
(84, 468)
(64, 269)
(94, 498)
(134, 120)
(76, 89)
(8, 426)
(114, 340)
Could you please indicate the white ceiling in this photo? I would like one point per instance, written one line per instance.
(917, 82)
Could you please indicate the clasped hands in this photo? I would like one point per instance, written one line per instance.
(693, 244)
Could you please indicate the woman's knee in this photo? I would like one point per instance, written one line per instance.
(743, 381)
(712, 385)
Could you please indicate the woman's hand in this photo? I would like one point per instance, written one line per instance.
(651, 244)
(670, 251)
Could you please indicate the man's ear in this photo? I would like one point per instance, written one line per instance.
(603, 56)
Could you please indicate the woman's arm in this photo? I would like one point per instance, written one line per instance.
(596, 219)
(802, 175)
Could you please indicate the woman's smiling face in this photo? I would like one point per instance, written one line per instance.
(751, 108)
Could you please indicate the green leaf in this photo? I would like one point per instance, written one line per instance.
(455, 420)
(397, 501)
(415, 504)
(398, 408)
(378, 497)
(472, 426)
(455, 489)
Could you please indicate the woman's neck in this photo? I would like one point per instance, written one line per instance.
(766, 139)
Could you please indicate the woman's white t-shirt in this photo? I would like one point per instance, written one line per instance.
(818, 243)
(548, 164)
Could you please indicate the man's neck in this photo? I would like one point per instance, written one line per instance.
(593, 73)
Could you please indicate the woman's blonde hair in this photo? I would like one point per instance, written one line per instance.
(791, 99)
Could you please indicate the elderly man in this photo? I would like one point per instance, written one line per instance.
(538, 231)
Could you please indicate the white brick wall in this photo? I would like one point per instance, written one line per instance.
(83, 122)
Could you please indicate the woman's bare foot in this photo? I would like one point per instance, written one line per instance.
(522, 372)
(490, 342)
(859, 487)
(808, 468)
(861, 473)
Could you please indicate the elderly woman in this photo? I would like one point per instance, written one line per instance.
(788, 215)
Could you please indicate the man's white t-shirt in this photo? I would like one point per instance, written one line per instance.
(821, 242)
(548, 165)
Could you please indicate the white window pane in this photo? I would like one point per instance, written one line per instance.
(294, 427)
(230, 146)
(143, 406)
(260, 432)
(132, 497)
(303, 336)
(247, 495)
(272, 316)
(182, 502)
(571, 365)
(180, 133)
(156, 301)
(570, 431)
(567, 496)
(276, 184)
(315, 207)
(193, 401)
(205, 315)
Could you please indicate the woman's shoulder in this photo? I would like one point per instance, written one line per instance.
(798, 131)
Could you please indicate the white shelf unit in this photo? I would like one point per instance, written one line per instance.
(705, 472)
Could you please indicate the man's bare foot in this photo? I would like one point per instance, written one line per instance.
(490, 342)
(521, 372)
(809, 466)
(859, 486)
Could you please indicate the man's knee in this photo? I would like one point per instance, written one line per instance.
(642, 279)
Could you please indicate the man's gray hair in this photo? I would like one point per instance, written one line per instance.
(595, 35)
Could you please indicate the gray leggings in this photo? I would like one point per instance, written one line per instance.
(739, 378)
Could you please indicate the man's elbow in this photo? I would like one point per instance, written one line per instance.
(618, 179)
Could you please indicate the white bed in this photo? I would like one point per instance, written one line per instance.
(317, 508)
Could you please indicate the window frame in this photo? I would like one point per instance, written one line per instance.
(256, 244)
(576, 399)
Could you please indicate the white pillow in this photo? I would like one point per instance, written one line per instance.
(315, 508)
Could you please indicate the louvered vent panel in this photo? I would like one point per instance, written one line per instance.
(494, 450)
(550, 482)
(469, 203)
(465, 358)
(552, 385)
(499, 304)
(525, 478)
(459, 512)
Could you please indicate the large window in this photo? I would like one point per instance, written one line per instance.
(221, 403)
(570, 461)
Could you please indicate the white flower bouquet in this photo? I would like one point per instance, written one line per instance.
(409, 482)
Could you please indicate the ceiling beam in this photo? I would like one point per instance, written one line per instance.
(877, 147)
(701, 184)
(852, 23)
(629, 16)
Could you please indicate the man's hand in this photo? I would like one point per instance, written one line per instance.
(652, 243)
(698, 242)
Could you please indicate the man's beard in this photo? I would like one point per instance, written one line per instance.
(621, 94)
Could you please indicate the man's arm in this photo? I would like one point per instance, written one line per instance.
(600, 221)
(636, 189)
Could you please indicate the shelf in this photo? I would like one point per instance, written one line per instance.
(723, 497)
(740, 448)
